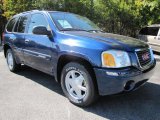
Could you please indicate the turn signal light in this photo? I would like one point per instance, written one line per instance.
(108, 60)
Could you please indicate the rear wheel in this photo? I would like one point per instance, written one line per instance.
(77, 84)
(12, 65)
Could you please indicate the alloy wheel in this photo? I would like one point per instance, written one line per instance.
(76, 84)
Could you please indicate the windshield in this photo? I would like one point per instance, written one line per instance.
(68, 21)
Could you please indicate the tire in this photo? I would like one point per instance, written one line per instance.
(78, 85)
(12, 65)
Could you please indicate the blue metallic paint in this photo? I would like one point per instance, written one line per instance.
(115, 84)
(43, 53)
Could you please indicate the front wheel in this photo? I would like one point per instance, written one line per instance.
(78, 85)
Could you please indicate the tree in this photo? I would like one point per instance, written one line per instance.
(12, 7)
(125, 17)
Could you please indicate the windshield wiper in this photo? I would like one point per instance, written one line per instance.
(95, 31)
(75, 29)
(72, 29)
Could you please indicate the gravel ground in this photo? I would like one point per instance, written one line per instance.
(32, 95)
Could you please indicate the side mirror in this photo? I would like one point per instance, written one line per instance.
(42, 30)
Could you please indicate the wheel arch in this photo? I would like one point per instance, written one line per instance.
(5, 48)
(66, 58)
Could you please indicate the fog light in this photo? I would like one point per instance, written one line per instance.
(112, 73)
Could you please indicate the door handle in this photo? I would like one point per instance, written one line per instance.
(26, 41)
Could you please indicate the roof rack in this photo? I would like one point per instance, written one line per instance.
(30, 11)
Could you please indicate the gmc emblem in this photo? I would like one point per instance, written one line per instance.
(145, 56)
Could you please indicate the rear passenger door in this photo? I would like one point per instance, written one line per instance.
(19, 36)
(38, 48)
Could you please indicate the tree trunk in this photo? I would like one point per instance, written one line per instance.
(91, 8)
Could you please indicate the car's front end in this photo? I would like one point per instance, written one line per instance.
(106, 62)
(124, 71)
(119, 65)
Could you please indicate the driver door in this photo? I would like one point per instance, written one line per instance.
(38, 52)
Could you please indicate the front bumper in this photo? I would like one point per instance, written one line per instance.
(126, 79)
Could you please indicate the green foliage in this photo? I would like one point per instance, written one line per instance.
(150, 12)
(118, 16)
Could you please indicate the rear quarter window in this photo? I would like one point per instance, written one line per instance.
(11, 24)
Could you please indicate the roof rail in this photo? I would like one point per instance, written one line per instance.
(35, 10)
(29, 11)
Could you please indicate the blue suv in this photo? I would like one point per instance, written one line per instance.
(86, 61)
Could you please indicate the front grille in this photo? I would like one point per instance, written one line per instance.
(144, 57)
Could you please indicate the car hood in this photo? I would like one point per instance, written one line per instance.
(112, 40)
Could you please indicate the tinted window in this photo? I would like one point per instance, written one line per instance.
(22, 24)
(37, 20)
(16, 26)
(11, 24)
(66, 21)
(143, 31)
(153, 31)
(149, 31)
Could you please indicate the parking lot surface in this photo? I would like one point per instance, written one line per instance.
(33, 95)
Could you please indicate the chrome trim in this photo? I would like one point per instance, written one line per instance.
(37, 54)
(149, 64)
(42, 56)
(52, 21)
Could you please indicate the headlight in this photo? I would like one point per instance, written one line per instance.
(115, 59)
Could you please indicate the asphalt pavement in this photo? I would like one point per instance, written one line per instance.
(33, 95)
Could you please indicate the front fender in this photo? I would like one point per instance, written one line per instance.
(79, 55)
(92, 55)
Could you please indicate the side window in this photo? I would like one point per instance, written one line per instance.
(149, 31)
(153, 31)
(143, 31)
(37, 20)
(22, 24)
(11, 24)
(16, 25)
